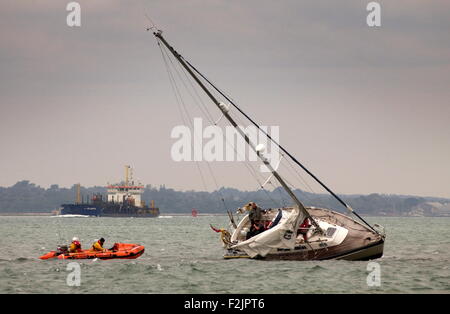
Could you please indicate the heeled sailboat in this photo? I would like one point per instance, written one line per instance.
(290, 233)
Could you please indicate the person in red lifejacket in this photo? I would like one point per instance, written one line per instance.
(75, 246)
(304, 228)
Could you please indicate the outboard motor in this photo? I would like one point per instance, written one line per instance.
(62, 249)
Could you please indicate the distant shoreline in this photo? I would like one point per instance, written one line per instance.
(24, 197)
(202, 214)
(161, 215)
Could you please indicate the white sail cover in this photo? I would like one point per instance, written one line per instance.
(282, 235)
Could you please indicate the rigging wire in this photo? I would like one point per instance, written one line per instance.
(180, 103)
(200, 104)
(189, 118)
(205, 107)
(254, 135)
(296, 176)
(300, 176)
(248, 166)
(190, 123)
(283, 149)
(206, 113)
(153, 27)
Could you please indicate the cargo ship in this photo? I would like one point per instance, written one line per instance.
(123, 200)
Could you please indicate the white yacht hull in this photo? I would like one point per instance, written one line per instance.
(360, 243)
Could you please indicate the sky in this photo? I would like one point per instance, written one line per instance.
(366, 109)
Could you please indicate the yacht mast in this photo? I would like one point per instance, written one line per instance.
(224, 109)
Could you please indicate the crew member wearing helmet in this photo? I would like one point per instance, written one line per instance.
(75, 246)
(98, 245)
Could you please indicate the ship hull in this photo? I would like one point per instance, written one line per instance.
(108, 210)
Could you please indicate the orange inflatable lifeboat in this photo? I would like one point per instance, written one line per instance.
(119, 250)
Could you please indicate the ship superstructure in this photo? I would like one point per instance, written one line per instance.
(123, 199)
(126, 191)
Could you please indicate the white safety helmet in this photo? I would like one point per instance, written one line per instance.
(75, 239)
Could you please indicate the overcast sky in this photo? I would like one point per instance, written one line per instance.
(366, 109)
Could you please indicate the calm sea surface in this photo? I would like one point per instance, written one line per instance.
(183, 255)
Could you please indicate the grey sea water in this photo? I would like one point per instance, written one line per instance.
(183, 255)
